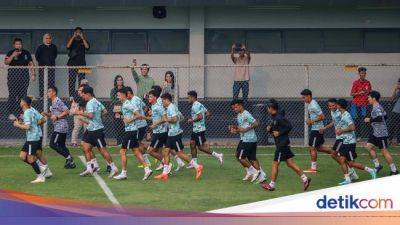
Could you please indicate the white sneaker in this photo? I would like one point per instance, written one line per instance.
(261, 178)
(179, 167)
(86, 173)
(247, 177)
(113, 173)
(190, 166)
(160, 167)
(147, 174)
(48, 173)
(255, 176)
(121, 176)
(220, 158)
(39, 179)
(169, 168)
(354, 176)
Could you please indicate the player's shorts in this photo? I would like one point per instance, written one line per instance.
(175, 142)
(246, 150)
(84, 134)
(348, 151)
(199, 138)
(316, 139)
(95, 138)
(141, 133)
(283, 153)
(380, 142)
(338, 145)
(129, 140)
(57, 137)
(40, 147)
(159, 140)
(30, 147)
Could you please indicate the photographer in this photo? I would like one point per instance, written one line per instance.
(77, 47)
(18, 78)
(242, 75)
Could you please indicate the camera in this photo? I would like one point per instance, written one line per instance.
(238, 47)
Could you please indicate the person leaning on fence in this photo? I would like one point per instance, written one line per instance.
(77, 46)
(75, 107)
(168, 86)
(358, 110)
(395, 116)
(242, 74)
(117, 108)
(18, 78)
(144, 81)
(46, 55)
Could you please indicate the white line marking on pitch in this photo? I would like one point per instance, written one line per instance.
(105, 188)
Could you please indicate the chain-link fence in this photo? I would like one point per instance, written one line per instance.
(215, 86)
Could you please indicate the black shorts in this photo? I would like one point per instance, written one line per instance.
(84, 134)
(95, 138)
(175, 142)
(30, 147)
(380, 142)
(40, 147)
(159, 140)
(283, 153)
(316, 139)
(129, 141)
(199, 138)
(348, 151)
(338, 145)
(141, 133)
(247, 150)
(57, 137)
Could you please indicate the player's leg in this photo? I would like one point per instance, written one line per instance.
(241, 156)
(389, 160)
(90, 167)
(349, 152)
(23, 156)
(370, 146)
(166, 163)
(142, 146)
(313, 145)
(180, 163)
(32, 160)
(203, 146)
(251, 153)
(274, 175)
(178, 147)
(124, 163)
(193, 152)
(69, 160)
(292, 165)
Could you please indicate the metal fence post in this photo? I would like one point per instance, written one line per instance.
(307, 70)
(45, 103)
(176, 95)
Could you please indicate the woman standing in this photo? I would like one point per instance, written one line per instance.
(168, 85)
(118, 121)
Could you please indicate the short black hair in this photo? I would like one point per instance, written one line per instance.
(82, 103)
(78, 28)
(28, 100)
(375, 94)
(306, 92)
(332, 100)
(167, 96)
(122, 90)
(362, 69)
(237, 101)
(88, 90)
(154, 93)
(192, 93)
(146, 65)
(128, 89)
(157, 88)
(54, 88)
(17, 40)
(273, 104)
(342, 103)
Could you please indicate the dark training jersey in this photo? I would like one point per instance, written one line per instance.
(283, 126)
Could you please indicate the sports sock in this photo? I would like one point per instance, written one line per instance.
(165, 169)
(146, 159)
(347, 177)
(369, 170)
(393, 167)
(194, 163)
(314, 165)
(179, 161)
(215, 154)
(303, 177)
(376, 162)
(35, 167)
(272, 184)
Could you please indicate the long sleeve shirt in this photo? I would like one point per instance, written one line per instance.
(143, 83)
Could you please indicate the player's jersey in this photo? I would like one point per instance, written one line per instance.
(345, 122)
(336, 117)
(159, 101)
(33, 133)
(244, 120)
(198, 108)
(140, 105)
(173, 128)
(57, 107)
(95, 107)
(379, 128)
(158, 111)
(128, 110)
(314, 110)
(38, 117)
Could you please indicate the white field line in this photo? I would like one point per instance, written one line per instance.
(105, 188)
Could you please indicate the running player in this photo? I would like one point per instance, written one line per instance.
(380, 135)
(174, 140)
(246, 152)
(95, 131)
(130, 114)
(280, 129)
(347, 153)
(315, 120)
(29, 150)
(58, 113)
(198, 140)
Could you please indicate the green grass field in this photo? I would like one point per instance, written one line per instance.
(219, 187)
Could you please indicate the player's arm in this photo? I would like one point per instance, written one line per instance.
(42, 121)
(198, 118)
(88, 115)
(172, 119)
(328, 126)
(253, 125)
(350, 128)
(320, 117)
(135, 75)
(20, 125)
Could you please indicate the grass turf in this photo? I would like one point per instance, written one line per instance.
(220, 186)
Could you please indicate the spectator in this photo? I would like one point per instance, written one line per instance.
(75, 107)
(395, 124)
(359, 92)
(143, 81)
(18, 78)
(46, 55)
(168, 85)
(77, 46)
(242, 75)
(117, 108)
